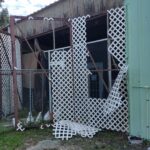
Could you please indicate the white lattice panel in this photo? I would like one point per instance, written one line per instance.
(62, 87)
(80, 68)
(7, 89)
(70, 81)
(6, 79)
(117, 28)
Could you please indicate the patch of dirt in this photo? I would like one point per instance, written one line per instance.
(101, 141)
(71, 147)
(29, 142)
(46, 145)
(52, 145)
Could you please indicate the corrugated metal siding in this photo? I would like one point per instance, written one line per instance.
(69, 9)
(138, 47)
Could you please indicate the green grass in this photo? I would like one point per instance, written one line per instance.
(106, 140)
(11, 140)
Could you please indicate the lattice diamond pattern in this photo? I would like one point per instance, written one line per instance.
(117, 33)
(110, 113)
(6, 79)
(95, 113)
(66, 129)
(7, 89)
(80, 68)
(116, 22)
(114, 99)
(79, 30)
(70, 81)
(62, 87)
(117, 49)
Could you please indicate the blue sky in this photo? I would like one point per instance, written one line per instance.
(25, 7)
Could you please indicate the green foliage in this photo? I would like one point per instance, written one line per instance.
(4, 15)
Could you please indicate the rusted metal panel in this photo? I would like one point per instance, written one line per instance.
(66, 9)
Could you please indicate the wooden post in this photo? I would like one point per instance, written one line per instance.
(15, 94)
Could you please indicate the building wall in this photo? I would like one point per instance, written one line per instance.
(66, 9)
(138, 47)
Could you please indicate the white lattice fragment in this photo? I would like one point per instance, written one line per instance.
(42, 127)
(113, 101)
(65, 129)
(20, 127)
(116, 22)
(47, 125)
(117, 33)
(62, 131)
(117, 48)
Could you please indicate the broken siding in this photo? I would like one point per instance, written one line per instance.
(66, 9)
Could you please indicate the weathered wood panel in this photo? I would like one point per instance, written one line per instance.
(67, 9)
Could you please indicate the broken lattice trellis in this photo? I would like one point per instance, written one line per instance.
(70, 82)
